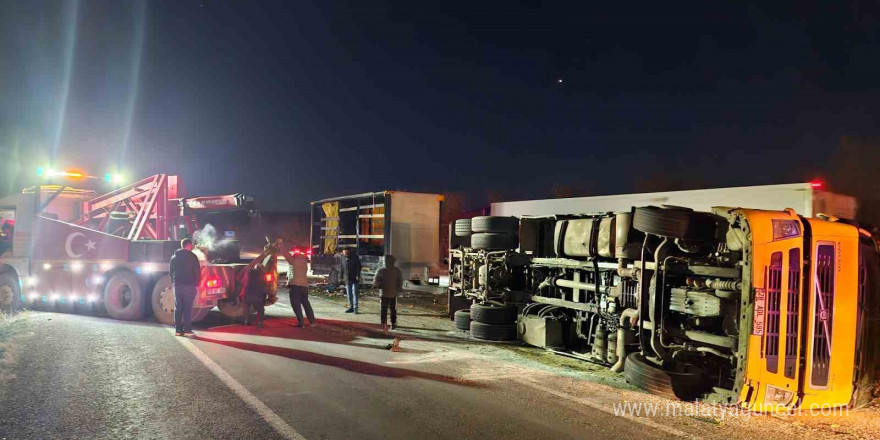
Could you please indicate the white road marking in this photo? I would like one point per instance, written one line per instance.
(264, 411)
(641, 420)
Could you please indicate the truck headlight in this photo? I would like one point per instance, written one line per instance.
(777, 397)
(783, 229)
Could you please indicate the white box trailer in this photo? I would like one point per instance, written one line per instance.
(403, 224)
(807, 199)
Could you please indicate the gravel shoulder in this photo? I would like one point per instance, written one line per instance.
(425, 327)
(88, 396)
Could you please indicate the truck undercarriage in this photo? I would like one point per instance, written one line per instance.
(655, 292)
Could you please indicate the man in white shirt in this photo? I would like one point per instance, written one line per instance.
(298, 282)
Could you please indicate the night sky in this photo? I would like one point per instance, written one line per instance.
(294, 101)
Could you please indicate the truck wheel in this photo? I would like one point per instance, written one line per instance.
(200, 313)
(675, 223)
(123, 296)
(231, 308)
(493, 241)
(162, 300)
(493, 332)
(10, 293)
(494, 314)
(655, 380)
(501, 225)
(463, 319)
(463, 227)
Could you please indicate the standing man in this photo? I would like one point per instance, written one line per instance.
(339, 260)
(254, 294)
(351, 271)
(186, 275)
(298, 282)
(390, 281)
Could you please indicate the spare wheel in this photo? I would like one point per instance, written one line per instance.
(494, 314)
(675, 223)
(496, 224)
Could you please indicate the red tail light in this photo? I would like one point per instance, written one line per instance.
(212, 282)
(269, 277)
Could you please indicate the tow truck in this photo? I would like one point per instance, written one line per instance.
(72, 251)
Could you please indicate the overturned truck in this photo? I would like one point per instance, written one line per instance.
(765, 309)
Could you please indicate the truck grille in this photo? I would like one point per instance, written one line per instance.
(774, 287)
(823, 315)
(792, 311)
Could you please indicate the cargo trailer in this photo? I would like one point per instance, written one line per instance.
(375, 224)
(807, 199)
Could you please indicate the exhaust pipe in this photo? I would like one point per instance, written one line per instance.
(621, 339)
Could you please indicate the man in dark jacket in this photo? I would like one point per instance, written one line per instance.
(254, 294)
(351, 271)
(186, 275)
(390, 281)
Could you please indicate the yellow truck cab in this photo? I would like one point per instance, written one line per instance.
(811, 307)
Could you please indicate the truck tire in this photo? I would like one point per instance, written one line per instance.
(655, 380)
(10, 293)
(463, 319)
(200, 313)
(493, 332)
(162, 301)
(123, 296)
(500, 225)
(675, 223)
(463, 227)
(493, 241)
(231, 308)
(494, 314)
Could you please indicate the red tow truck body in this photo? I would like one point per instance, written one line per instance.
(72, 251)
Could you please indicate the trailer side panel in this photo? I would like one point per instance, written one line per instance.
(798, 196)
(415, 232)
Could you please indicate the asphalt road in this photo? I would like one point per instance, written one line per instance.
(72, 376)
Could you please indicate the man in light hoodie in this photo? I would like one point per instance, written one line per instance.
(298, 283)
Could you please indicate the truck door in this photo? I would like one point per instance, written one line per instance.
(831, 315)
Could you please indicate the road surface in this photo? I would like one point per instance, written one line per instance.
(73, 376)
